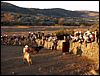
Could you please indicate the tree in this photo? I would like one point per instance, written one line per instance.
(8, 17)
(61, 21)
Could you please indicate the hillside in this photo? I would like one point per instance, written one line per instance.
(30, 16)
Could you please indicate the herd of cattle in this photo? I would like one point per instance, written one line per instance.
(35, 41)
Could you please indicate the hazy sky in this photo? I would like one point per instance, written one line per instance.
(68, 5)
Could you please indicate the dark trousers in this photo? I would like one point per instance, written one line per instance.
(65, 47)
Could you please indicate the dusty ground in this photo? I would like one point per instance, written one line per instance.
(47, 62)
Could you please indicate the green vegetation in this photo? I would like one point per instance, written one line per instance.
(63, 32)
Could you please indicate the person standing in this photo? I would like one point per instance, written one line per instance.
(96, 36)
(26, 55)
(66, 45)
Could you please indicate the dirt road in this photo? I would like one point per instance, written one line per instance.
(46, 62)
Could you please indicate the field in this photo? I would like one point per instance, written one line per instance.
(46, 62)
(46, 29)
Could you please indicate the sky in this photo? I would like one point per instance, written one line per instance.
(68, 5)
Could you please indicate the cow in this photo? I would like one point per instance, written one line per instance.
(34, 49)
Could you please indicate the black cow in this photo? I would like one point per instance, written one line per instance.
(35, 50)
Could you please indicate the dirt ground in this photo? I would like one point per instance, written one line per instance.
(46, 62)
